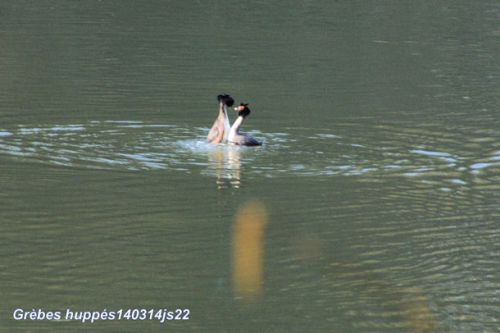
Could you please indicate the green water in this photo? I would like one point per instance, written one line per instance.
(379, 173)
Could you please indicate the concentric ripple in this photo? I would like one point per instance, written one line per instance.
(137, 145)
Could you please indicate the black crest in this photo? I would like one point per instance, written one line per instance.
(226, 99)
(245, 110)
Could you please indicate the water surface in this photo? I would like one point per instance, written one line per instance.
(372, 205)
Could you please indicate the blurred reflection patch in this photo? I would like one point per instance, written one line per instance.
(248, 250)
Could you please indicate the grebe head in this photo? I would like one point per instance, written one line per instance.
(242, 110)
(226, 100)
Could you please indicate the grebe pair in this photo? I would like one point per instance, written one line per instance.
(222, 131)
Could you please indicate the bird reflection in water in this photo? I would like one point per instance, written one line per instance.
(248, 250)
(225, 161)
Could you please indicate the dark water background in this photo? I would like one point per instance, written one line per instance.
(379, 175)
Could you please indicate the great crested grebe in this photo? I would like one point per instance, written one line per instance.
(221, 126)
(237, 138)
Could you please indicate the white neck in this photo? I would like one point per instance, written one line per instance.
(235, 129)
(227, 125)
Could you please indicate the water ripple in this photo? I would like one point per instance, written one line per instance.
(381, 152)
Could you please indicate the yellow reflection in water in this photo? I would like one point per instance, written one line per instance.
(418, 314)
(248, 250)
